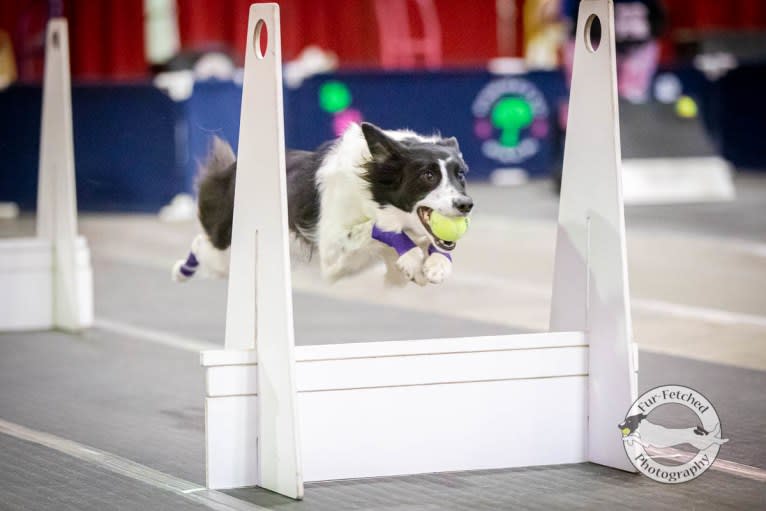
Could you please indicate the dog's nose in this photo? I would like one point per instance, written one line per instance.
(463, 204)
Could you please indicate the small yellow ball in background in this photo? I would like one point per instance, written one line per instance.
(686, 107)
(448, 228)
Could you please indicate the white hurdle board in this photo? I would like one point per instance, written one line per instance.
(278, 415)
(46, 280)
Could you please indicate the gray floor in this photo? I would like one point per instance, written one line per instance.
(199, 311)
(564, 487)
(33, 477)
(143, 401)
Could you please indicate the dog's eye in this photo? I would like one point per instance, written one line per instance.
(429, 176)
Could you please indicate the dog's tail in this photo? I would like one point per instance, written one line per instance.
(215, 202)
(218, 161)
(215, 194)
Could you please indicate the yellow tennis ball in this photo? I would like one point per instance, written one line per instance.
(686, 107)
(625, 431)
(448, 228)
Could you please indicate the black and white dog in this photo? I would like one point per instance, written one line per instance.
(364, 197)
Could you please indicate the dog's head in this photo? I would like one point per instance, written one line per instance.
(631, 423)
(417, 175)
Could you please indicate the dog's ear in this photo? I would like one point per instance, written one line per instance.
(381, 145)
(450, 142)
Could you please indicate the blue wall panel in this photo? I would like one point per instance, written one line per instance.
(135, 148)
(125, 147)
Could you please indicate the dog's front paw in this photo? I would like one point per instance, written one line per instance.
(437, 268)
(410, 263)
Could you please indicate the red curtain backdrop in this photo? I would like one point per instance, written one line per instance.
(716, 14)
(107, 36)
(347, 27)
(106, 39)
(24, 22)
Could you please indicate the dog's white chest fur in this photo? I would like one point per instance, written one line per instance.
(348, 212)
(346, 209)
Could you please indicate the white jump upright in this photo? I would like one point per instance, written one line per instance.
(252, 435)
(590, 285)
(46, 281)
(404, 407)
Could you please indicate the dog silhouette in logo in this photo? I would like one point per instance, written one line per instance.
(637, 428)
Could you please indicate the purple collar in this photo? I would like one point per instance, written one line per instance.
(400, 242)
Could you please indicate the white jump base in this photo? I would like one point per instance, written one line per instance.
(27, 277)
(408, 407)
(277, 414)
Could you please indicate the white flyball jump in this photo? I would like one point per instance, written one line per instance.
(46, 281)
(278, 415)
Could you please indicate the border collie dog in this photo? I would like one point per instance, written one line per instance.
(364, 197)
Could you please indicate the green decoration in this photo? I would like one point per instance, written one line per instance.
(334, 97)
(511, 115)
